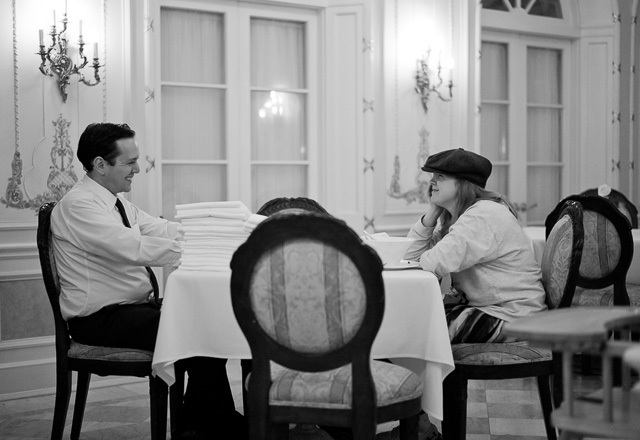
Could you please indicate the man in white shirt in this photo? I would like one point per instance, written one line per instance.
(103, 246)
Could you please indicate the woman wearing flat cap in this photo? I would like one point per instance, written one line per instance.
(474, 235)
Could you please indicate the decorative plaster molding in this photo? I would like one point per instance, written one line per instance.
(368, 165)
(62, 175)
(419, 193)
(367, 45)
(61, 178)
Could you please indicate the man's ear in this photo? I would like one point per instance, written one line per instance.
(99, 165)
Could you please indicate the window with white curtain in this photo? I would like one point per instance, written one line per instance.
(523, 122)
(527, 101)
(236, 102)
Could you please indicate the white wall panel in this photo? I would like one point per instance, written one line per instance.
(344, 114)
(598, 154)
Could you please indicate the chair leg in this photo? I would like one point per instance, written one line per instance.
(280, 431)
(245, 365)
(544, 392)
(176, 395)
(409, 428)
(454, 423)
(63, 394)
(82, 390)
(363, 429)
(158, 393)
(557, 388)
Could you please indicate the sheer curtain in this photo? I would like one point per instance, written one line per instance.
(195, 94)
(278, 110)
(194, 149)
(494, 130)
(544, 122)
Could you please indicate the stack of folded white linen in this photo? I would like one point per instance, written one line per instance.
(212, 233)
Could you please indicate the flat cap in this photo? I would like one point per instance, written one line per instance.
(461, 164)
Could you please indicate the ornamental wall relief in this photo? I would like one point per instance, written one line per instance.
(62, 175)
(419, 192)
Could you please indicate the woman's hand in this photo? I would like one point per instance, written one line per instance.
(432, 214)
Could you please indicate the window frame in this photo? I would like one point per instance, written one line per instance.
(518, 163)
(238, 93)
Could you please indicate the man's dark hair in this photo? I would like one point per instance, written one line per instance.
(99, 140)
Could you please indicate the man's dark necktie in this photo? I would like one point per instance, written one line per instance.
(125, 220)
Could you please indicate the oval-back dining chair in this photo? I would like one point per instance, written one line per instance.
(88, 359)
(606, 256)
(309, 297)
(510, 360)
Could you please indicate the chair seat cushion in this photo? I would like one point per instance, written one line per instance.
(332, 389)
(604, 296)
(498, 353)
(96, 353)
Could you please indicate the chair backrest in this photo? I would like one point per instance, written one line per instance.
(51, 278)
(562, 255)
(620, 201)
(291, 205)
(607, 250)
(308, 295)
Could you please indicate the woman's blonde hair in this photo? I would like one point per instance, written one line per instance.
(467, 194)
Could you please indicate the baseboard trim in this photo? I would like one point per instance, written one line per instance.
(98, 382)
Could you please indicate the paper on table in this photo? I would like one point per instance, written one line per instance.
(210, 221)
(206, 205)
(195, 213)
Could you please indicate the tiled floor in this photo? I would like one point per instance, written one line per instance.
(497, 410)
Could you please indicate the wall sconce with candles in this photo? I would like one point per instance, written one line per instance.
(56, 60)
(425, 85)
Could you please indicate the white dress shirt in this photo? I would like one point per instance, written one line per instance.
(101, 261)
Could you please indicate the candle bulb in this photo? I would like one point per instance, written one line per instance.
(81, 28)
(41, 38)
(95, 51)
(54, 18)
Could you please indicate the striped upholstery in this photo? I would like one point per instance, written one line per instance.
(91, 352)
(602, 247)
(332, 389)
(601, 254)
(309, 296)
(305, 282)
(556, 260)
(498, 354)
(604, 297)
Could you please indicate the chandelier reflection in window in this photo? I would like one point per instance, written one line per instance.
(272, 106)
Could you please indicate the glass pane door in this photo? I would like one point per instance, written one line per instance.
(544, 131)
(494, 130)
(279, 156)
(523, 122)
(194, 150)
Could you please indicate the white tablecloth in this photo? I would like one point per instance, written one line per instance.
(536, 234)
(197, 320)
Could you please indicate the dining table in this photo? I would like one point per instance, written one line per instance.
(198, 320)
(537, 236)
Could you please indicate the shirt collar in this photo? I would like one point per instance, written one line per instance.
(100, 191)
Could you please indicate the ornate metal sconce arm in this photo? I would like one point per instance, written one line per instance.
(425, 85)
(55, 59)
